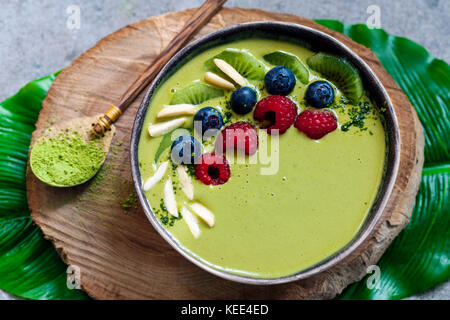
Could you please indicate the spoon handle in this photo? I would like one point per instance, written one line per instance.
(198, 20)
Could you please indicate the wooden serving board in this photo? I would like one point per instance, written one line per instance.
(119, 254)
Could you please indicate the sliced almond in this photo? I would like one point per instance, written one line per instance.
(230, 71)
(185, 181)
(218, 81)
(203, 213)
(169, 198)
(159, 173)
(176, 110)
(156, 130)
(191, 221)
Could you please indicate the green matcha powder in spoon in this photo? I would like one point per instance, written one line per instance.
(66, 160)
(67, 154)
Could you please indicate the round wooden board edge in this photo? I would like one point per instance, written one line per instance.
(395, 217)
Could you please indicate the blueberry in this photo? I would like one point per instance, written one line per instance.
(185, 150)
(280, 81)
(243, 100)
(319, 94)
(209, 118)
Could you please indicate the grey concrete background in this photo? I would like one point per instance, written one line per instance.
(35, 41)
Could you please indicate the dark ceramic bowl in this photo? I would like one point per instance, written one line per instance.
(315, 41)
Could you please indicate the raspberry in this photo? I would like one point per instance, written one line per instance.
(239, 135)
(212, 169)
(275, 113)
(316, 123)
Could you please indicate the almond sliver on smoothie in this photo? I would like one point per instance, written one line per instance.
(156, 177)
(218, 81)
(176, 110)
(169, 198)
(230, 71)
(185, 181)
(191, 221)
(156, 130)
(203, 213)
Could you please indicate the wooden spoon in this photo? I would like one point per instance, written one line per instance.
(101, 125)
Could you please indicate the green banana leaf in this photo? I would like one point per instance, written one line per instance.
(417, 260)
(30, 267)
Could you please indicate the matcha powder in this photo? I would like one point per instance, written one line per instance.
(66, 160)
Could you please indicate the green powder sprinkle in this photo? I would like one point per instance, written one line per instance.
(66, 160)
(358, 115)
(130, 202)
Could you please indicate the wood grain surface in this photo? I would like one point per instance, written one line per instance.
(99, 226)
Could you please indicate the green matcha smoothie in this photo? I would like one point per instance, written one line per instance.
(273, 225)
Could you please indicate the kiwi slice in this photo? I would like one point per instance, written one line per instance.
(196, 94)
(280, 58)
(341, 72)
(243, 61)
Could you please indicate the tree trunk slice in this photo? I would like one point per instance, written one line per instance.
(119, 253)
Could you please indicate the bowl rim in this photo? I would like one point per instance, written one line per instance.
(385, 188)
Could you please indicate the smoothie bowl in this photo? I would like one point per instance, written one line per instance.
(265, 152)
